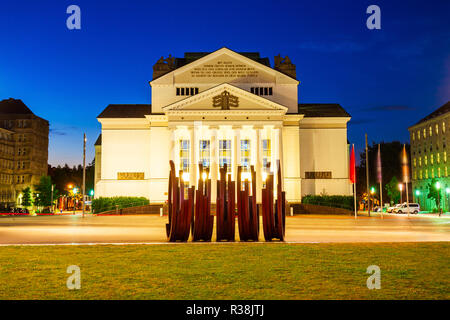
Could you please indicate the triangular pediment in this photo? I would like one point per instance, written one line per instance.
(225, 97)
(224, 66)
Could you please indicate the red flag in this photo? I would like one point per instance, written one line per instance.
(352, 175)
(379, 172)
(405, 166)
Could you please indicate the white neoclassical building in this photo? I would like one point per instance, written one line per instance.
(216, 108)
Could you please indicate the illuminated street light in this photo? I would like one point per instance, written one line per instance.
(400, 186)
(438, 185)
(185, 176)
(75, 190)
(264, 176)
(372, 190)
(418, 192)
(92, 192)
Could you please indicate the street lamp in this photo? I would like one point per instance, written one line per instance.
(400, 186)
(438, 187)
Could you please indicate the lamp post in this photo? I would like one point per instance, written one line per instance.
(372, 192)
(418, 196)
(400, 186)
(75, 191)
(438, 187)
(447, 192)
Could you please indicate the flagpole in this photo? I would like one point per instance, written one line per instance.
(381, 182)
(406, 175)
(354, 183)
(367, 178)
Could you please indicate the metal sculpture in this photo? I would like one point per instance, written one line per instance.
(248, 216)
(180, 208)
(203, 221)
(225, 207)
(273, 215)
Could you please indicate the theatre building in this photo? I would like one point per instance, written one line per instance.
(222, 108)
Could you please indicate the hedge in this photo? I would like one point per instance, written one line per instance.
(109, 203)
(345, 202)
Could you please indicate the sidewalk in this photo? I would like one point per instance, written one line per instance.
(422, 214)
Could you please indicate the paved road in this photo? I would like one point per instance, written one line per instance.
(151, 228)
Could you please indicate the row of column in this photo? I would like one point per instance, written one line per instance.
(255, 134)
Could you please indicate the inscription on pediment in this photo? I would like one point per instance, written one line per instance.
(223, 69)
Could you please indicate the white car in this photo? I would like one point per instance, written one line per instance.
(391, 209)
(413, 208)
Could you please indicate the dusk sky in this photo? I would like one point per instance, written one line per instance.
(386, 79)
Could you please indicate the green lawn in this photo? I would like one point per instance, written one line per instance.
(229, 271)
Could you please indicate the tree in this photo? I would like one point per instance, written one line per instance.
(43, 192)
(27, 200)
(392, 190)
(434, 192)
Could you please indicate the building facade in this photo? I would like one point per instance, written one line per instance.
(23, 150)
(222, 108)
(429, 151)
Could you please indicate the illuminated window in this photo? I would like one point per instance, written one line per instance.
(413, 136)
(425, 160)
(446, 171)
(437, 129)
(431, 159)
(438, 158)
(225, 154)
(424, 133)
(418, 134)
(414, 162)
(426, 173)
(266, 152)
(439, 172)
(245, 154)
(205, 153)
(420, 174)
(415, 175)
(443, 126)
(184, 155)
(420, 161)
(445, 156)
(431, 131)
(432, 172)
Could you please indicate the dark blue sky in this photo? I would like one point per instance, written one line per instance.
(386, 79)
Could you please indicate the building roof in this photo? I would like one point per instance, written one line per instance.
(439, 112)
(312, 110)
(14, 106)
(126, 111)
(98, 142)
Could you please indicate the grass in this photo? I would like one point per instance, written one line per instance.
(228, 271)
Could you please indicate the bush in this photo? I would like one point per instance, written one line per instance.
(345, 202)
(109, 203)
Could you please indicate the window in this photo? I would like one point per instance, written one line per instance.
(414, 162)
(431, 159)
(225, 154)
(426, 173)
(187, 91)
(431, 131)
(437, 129)
(439, 172)
(262, 91)
(446, 174)
(424, 133)
(418, 134)
(438, 160)
(445, 156)
(443, 127)
(413, 136)
(420, 174)
(425, 160)
(205, 153)
(432, 172)
(266, 152)
(415, 175)
(184, 155)
(245, 154)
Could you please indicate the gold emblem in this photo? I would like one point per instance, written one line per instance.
(225, 101)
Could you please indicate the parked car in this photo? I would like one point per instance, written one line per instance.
(413, 208)
(391, 209)
(377, 209)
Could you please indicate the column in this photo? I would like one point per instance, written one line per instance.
(193, 163)
(280, 152)
(214, 160)
(258, 167)
(237, 150)
(172, 144)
